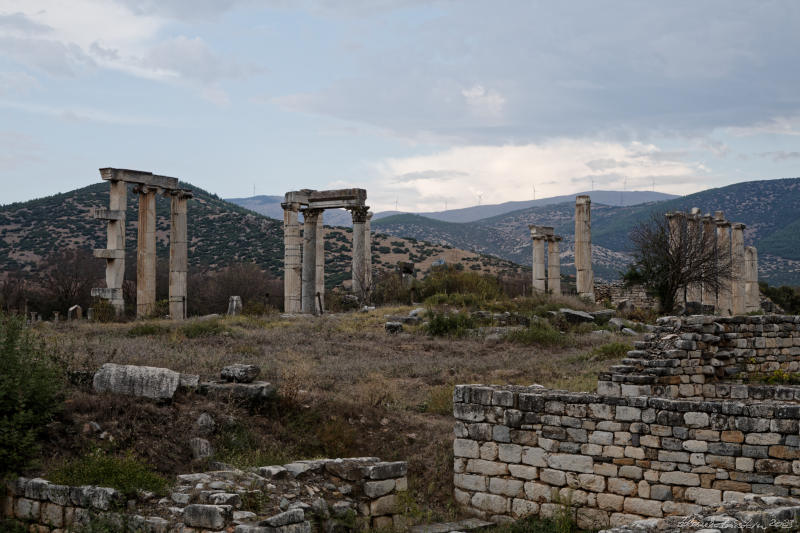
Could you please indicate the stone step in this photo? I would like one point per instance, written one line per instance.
(470, 524)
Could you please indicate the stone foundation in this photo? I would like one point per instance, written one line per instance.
(616, 291)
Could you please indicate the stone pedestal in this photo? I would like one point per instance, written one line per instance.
(738, 280)
(360, 286)
(291, 259)
(725, 295)
(583, 247)
(553, 266)
(146, 253)
(309, 279)
(178, 255)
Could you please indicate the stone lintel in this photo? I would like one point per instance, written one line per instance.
(359, 195)
(297, 197)
(105, 253)
(139, 177)
(106, 214)
(540, 232)
(106, 293)
(335, 204)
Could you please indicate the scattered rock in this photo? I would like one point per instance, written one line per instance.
(205, 424)
(206, 516)
(131, 380)
(576, 317)
(625, 307)
(240, 373)
(201, 448)
(601, 317)
(417, 312)
(629, 332)
(393, 327)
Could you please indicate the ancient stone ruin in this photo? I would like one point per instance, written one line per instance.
(584, 276)
(682, 426)
(550, 283)
(739, 295)
(147, 185)
(304, 271)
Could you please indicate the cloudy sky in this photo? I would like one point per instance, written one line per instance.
(419, 102)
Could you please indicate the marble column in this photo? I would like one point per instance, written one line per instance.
(553, 266)
(738, 280)
(724, 295)
(583, 247)
(368, 249)
(146, 253)
(751, 292)
(538, 238)
(320, 257)
(694, 292)
(291, 258)
(360, 287)
(309, 281)
(178, 255)
(708, 294)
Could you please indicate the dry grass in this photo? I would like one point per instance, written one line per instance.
(347, 387)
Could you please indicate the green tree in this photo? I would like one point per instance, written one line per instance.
(30, 393)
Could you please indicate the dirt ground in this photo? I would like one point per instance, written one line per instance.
(346, 388)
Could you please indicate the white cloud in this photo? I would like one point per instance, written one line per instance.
(501, 173)
(484, 102)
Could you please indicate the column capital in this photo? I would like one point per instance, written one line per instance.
(290, 206)
(722, 223)
(738, 226)
(312, 213)
(369, 215)
(144, 189)
(359, 214)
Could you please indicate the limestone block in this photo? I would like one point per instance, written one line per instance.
(207, 516)
(610, 502)
(492, 503)
(201, 448)
(487, 468)
(376, 489)
(240, 373)
(26, 509)
(680, 478)
(521, 508)
(146, 381)
(466, 448)
(572, 463)
(510, 453)
(588, 518)
(383, 505)
(592, 482)
(523, 471)
(601, 437)
(703, 496)
(553, 477)
(534, 456)
(52, 514)
(763, 438)
(643, 507)
(623, 519)
(695, 446)
(538, 492)
(625, 413)
(624, 487)
(470, 482)
(506, 487)
(488, 451)
(696, 419)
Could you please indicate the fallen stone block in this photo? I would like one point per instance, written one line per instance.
(240, 373)
(131, 380)
(575, 317)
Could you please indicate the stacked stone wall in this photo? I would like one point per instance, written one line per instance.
(529, 451)
(709, 357)
(616, 291)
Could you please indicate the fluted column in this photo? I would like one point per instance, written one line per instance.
(738, 280)
(583, 247)
(291, 258)
(178, 255)
(751, 291)
(724, 296)
(309, 283)
(360, 287)
(320, 257)
(368, 249)
(553, 266)
(146, 253)
(538, 238)
(708, 294)
(694, 292)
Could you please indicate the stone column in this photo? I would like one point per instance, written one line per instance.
(751, 292)
(291, 258)
(115, 251)
(538, 238)
(583, 247)
(737, 268)
(724, 296)
(553, 266)
(359, 251)
(146, 253)
(708, 294)
(694, 293)
(368, 249)
(309, 279)
(320, 257)
(178, 254)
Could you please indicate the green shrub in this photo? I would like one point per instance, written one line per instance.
(450, 279)
(127, 474)
(30, 393)
(103, 311)
(239, 446)
(540, 333)
(203, 328)
(145, 329)
(440, 401)
(455, 300)
(448, 324)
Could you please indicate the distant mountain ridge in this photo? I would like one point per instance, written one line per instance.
(769, 208)
(271, 206)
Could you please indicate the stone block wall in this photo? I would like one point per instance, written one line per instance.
(528, 451)
(616, 291)
(707, 357)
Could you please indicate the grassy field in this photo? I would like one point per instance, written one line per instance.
(346, 388)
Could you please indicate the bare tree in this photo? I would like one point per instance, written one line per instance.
(667, 262)
(69, 277)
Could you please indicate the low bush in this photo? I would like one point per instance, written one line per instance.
(127, 474)
(203, 328)
(239, 446)
(541, 333)
(448, 279)
(30, 393)
(440, 401)
(448, 324)
(146, 329)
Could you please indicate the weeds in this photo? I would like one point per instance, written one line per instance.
(146, 329)
(127, 474)
(606, 352)
(204, 328)
(239, 446)
(449, 324)
(440, 401)
(541, 333)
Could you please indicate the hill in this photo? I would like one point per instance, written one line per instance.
(220, 234)
(770, 209)
(271, 206)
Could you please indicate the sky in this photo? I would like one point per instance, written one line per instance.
(426, 104)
